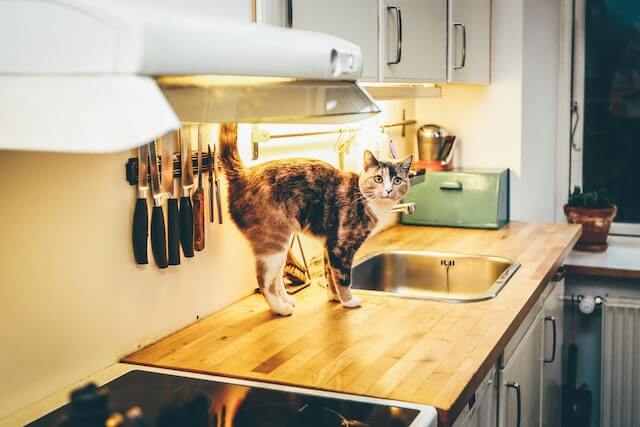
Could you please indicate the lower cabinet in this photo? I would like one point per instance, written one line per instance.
(525, 388)
(552, 350)
(481, 410)
(520, 381)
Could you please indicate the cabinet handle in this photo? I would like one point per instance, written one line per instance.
(464, 46)
(451, 186)
(399, 27)
(553, 349)
(289, 13)
(514, 385)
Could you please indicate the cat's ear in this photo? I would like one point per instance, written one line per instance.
(405, 164)
(370, 160)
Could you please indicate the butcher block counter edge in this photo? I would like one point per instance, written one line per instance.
(516, 238)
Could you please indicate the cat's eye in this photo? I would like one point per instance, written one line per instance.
(397, 180)
(377, 179)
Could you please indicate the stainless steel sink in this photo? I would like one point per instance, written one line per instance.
(433, 275)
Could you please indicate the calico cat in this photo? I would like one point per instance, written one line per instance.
(271, 201)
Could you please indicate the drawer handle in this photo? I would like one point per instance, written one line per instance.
(553, 349)
(514, 385)
(451, 186)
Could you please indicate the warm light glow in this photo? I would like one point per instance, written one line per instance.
(213, 80)
(387, 84)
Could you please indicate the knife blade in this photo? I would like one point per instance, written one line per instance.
(186, 209)
(210, 178)
(198, 196)
(216, 167)
(140, 229)
(173, 220)
(158, 238)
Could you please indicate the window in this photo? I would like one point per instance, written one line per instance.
(606, 145)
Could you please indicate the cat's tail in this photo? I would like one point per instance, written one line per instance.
(229, 156)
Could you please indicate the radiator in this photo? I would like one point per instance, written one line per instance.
(621, 363)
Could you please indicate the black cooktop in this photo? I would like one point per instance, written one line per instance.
(170, 400)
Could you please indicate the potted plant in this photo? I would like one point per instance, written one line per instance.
(594, 210)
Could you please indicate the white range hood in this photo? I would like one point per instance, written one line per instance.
(107, 75)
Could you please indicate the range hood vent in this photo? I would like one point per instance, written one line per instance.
(265, 100)
(95, 76)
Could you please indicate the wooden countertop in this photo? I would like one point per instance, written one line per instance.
(410, 350)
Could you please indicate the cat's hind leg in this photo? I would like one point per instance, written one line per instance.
(269, 273)
(282, 291)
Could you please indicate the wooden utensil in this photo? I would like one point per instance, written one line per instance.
(198, 198)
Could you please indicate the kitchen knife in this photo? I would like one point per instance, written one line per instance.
(186, 210)
(140, 230)
(198, 197)
(158, 238)
(216, 166)
(173, 226)
(210, 177)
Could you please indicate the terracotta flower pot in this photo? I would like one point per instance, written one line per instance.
(595, 226)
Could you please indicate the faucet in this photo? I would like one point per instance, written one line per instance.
(405, 208)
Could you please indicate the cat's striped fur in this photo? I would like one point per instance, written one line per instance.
(271, 201)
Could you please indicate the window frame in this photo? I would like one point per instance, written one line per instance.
(574, 168)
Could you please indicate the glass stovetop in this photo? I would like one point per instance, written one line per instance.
(170, 400)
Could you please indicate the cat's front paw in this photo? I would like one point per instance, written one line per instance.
(353, 302)
(285, 309)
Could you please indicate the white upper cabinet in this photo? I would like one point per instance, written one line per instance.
(402, 41)
(354, 20)
(414, 34)
(469, 41)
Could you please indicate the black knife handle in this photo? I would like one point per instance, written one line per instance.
(174, 231)
(140, 231)
(158, 239)
(186, 226)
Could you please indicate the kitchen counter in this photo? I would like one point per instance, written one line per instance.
(419, 351)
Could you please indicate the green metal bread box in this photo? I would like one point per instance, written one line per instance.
(460, 198)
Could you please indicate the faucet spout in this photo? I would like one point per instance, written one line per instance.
(405, 208)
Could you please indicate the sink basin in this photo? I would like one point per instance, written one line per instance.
(433, 275)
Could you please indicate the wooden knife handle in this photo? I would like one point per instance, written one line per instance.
(140, 231)
(186, 226)
(174, 231)
(158, 238)
(198, 219)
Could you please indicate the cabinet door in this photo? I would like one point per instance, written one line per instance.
(355, 21)
(524, 371)
(552, 364)
(414, 40)
(469, 41)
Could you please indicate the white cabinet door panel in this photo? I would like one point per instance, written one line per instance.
(525, 370)
(414, 37)
(552, 366)
(469, 41)
(354, 20)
